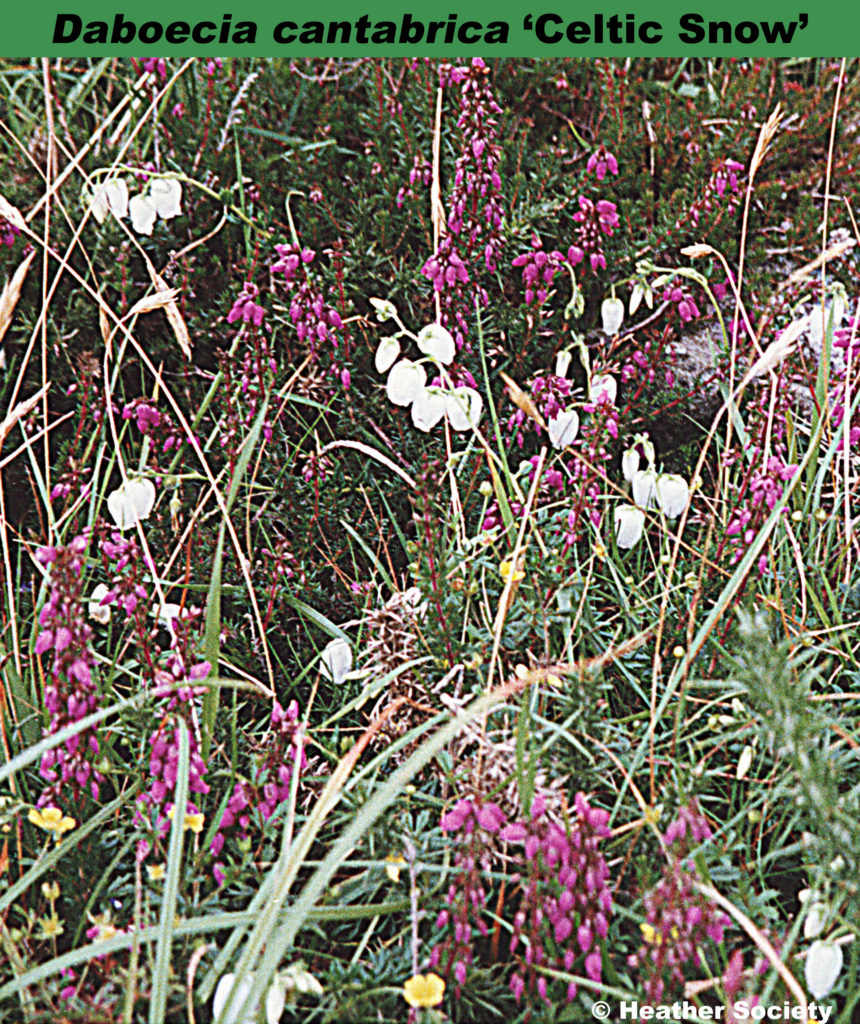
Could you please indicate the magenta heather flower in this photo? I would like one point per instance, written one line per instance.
(539, 270)
(474, 203)
(565, 896)
(8, 232)
(246, 308)
(258, 798)
(685, 303)
(316, 322)
(70, 691)
(594, 220)
(601, 161)
(560, 889)
(678, 918)
(175, 685)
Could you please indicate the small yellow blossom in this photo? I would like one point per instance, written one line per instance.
(155, 872)
(51, 819)
(51, 891)
(51, 927)
(507, 571)
(678, 651)
(393, 863)
(652, 936)
(194, 822)
(424, 990)
(599, 551)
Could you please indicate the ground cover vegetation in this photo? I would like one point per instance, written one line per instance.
(429, 563)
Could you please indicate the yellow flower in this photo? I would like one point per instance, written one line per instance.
(653, 937)
(155, 872)
(51, 891)
(192, 821)
(393, 863)
(507, 571)
(51, 819)
(424, 990)
(599, 551)
(51, 927)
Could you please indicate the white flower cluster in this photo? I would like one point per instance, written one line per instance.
(824, 958)
(162, 199)
(667, 492)
(286, 985)
(406, 384)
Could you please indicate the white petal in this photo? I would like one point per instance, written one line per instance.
(142, 214)
(823, 964)
(636, 297)
(385, 310)
(744, 762)
(405, 382)
(428, 408)
(605, 384)
(673, 493)
(336, 660)
(131, 502)
(629, 524)
(116, 194)
(815, 920)
(222, 994)
(276, 997)
(434, 340)
(463, 407)
(387, 353)
(167, 613)
(562, 362)
(645, 488)
(95, 609)
(99, 203)
(563, 428)
(612, 315)
(165, 194)
(630, 464)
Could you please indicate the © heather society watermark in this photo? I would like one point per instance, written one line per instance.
(743, 1009)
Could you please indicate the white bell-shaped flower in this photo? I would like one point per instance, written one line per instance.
(405, 382)
(111, 196)
(276, 998)
(673, 493)
(165, 194)
(630, 463)
(562, 362)
(823, 964)
(435, 341)
(563, 428)
(629, 525)
(612, 315)
(222, 994)
(815, 920)
(645, 488)
(131, 502)
(95, 609)
(336, 660)
(428, 408)
(463, 407)
(387, 354)
(385, 309)
(603, 385)
(641, 290)
(143, 214)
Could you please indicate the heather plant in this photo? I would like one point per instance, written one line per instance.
(427, 559)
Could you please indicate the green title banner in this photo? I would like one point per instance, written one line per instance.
(540, 28)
